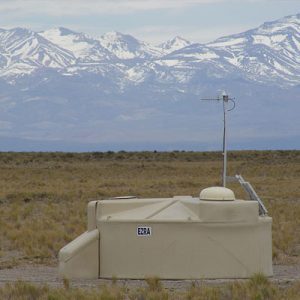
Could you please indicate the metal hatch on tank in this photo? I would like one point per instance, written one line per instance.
(214, 235)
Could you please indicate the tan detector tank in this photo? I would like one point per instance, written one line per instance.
(213, 236)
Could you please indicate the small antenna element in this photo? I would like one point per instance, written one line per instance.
(225, 99)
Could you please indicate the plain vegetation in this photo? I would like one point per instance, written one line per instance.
(257, 288)
(43, 200)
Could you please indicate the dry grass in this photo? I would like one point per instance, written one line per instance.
(43, 196)
(257, 288)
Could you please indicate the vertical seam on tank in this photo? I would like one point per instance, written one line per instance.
(96, 208)
(99, 255)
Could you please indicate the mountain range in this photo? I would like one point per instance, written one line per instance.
(66, 90)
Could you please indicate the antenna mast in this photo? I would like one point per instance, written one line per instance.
(225, 99)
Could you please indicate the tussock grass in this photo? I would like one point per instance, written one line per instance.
(257, 288)
(43, 196)
(154, 284)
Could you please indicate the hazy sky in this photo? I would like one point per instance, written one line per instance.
(150, 20)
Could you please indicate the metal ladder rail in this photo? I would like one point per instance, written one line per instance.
(251, 192)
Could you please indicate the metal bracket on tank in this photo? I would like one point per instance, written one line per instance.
(250, 191)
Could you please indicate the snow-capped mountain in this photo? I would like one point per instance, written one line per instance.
(267, 53)
(23, 51)
(83, 47)
(65, 85)
(125, 46)
(174, 44)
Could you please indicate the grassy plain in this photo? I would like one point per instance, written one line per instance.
(43, 196)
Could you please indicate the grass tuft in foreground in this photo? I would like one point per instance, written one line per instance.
(257, 288)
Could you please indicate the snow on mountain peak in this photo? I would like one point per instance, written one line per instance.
(81, 45)
(26, 50)
(267, 53)
(288, 23)
(115, 36)
(270, 52)
(125, 46)
(65, 31)
(58, 31)
(292, 18)
(174, 44)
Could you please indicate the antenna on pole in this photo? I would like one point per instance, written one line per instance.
(225, 99)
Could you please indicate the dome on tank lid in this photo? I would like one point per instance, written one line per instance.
(217, 193)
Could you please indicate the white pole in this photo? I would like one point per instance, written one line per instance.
(225, 100)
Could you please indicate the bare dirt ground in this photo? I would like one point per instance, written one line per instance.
(284, 275)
